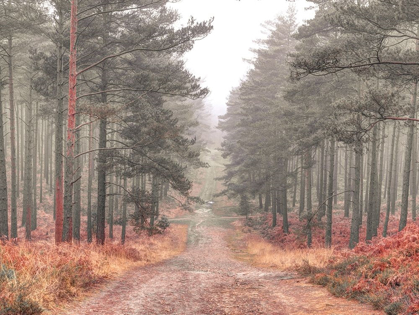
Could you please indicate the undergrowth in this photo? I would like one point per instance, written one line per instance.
(38, 275)
(383, 272)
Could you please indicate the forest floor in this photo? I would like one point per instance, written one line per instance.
(207, 278)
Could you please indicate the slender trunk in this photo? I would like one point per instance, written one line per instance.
(101, 184)
(41, 162)
(372, 189)
(361, 189)
(283, 196)
(368, 172)
(395, 187)
(4, 219)
(354, 238)
(89, 186)
(330, 194)
(347, 184)
(59, 128)
(302, 189)
(414, 173)
(19, 149)
(294, 194)
(389, 185)
(27, 195)
(274, 204)
(34, 172)
(101, 204)
(380, 153)
(12, 142)
(71, 124)
(124, 213)
(309, 202)
(320, 191)
(77, 186)
(407, 162)
(335, 178)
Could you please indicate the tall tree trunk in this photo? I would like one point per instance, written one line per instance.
(283, 196)
(27, 195)
(302, 188)
(4, 218)
(408, 161)
(335, 178)
(59, 128)
(20, 156)
(361, 189)
(41, 162)
(368, 172)
(329, 212)
(347, 184)
(354, 237)
(320, 191)
(124, 213)
(414, 172)
(71, 124)
(372, 188)
(77, 186)
(389, 185)
(13, 196)
(309, 201)
(34, 171)
(377, 215)
(396, 175)
(101, 183)
(294, 170)
(101, 204)
(89, 185)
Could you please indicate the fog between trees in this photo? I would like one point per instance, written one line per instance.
(326, 118)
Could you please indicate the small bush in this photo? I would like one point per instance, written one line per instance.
(6, 273)
(21, 305)
(394, 308)
(163, 223)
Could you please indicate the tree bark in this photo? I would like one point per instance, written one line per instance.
(309, 202)
(354, 237)
(371, 212)
(34, 169)
(4, 218)
(408, 161)
(71, 124)
(89, 185)
(389, 185)
(329, 212)
(27, 195)
(396, 175)
(283, 196)
(12, 141)
(302, 189)
(59, 128)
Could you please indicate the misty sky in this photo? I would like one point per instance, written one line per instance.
(218, 59)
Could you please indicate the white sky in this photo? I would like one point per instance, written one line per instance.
(218, 59)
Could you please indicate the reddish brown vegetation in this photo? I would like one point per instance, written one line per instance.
(39, 275)
(383, 272)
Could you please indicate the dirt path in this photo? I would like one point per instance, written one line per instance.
(205, 279)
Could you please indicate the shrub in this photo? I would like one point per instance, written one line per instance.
(21, 305)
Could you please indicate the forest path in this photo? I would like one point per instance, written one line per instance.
(206, 279)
